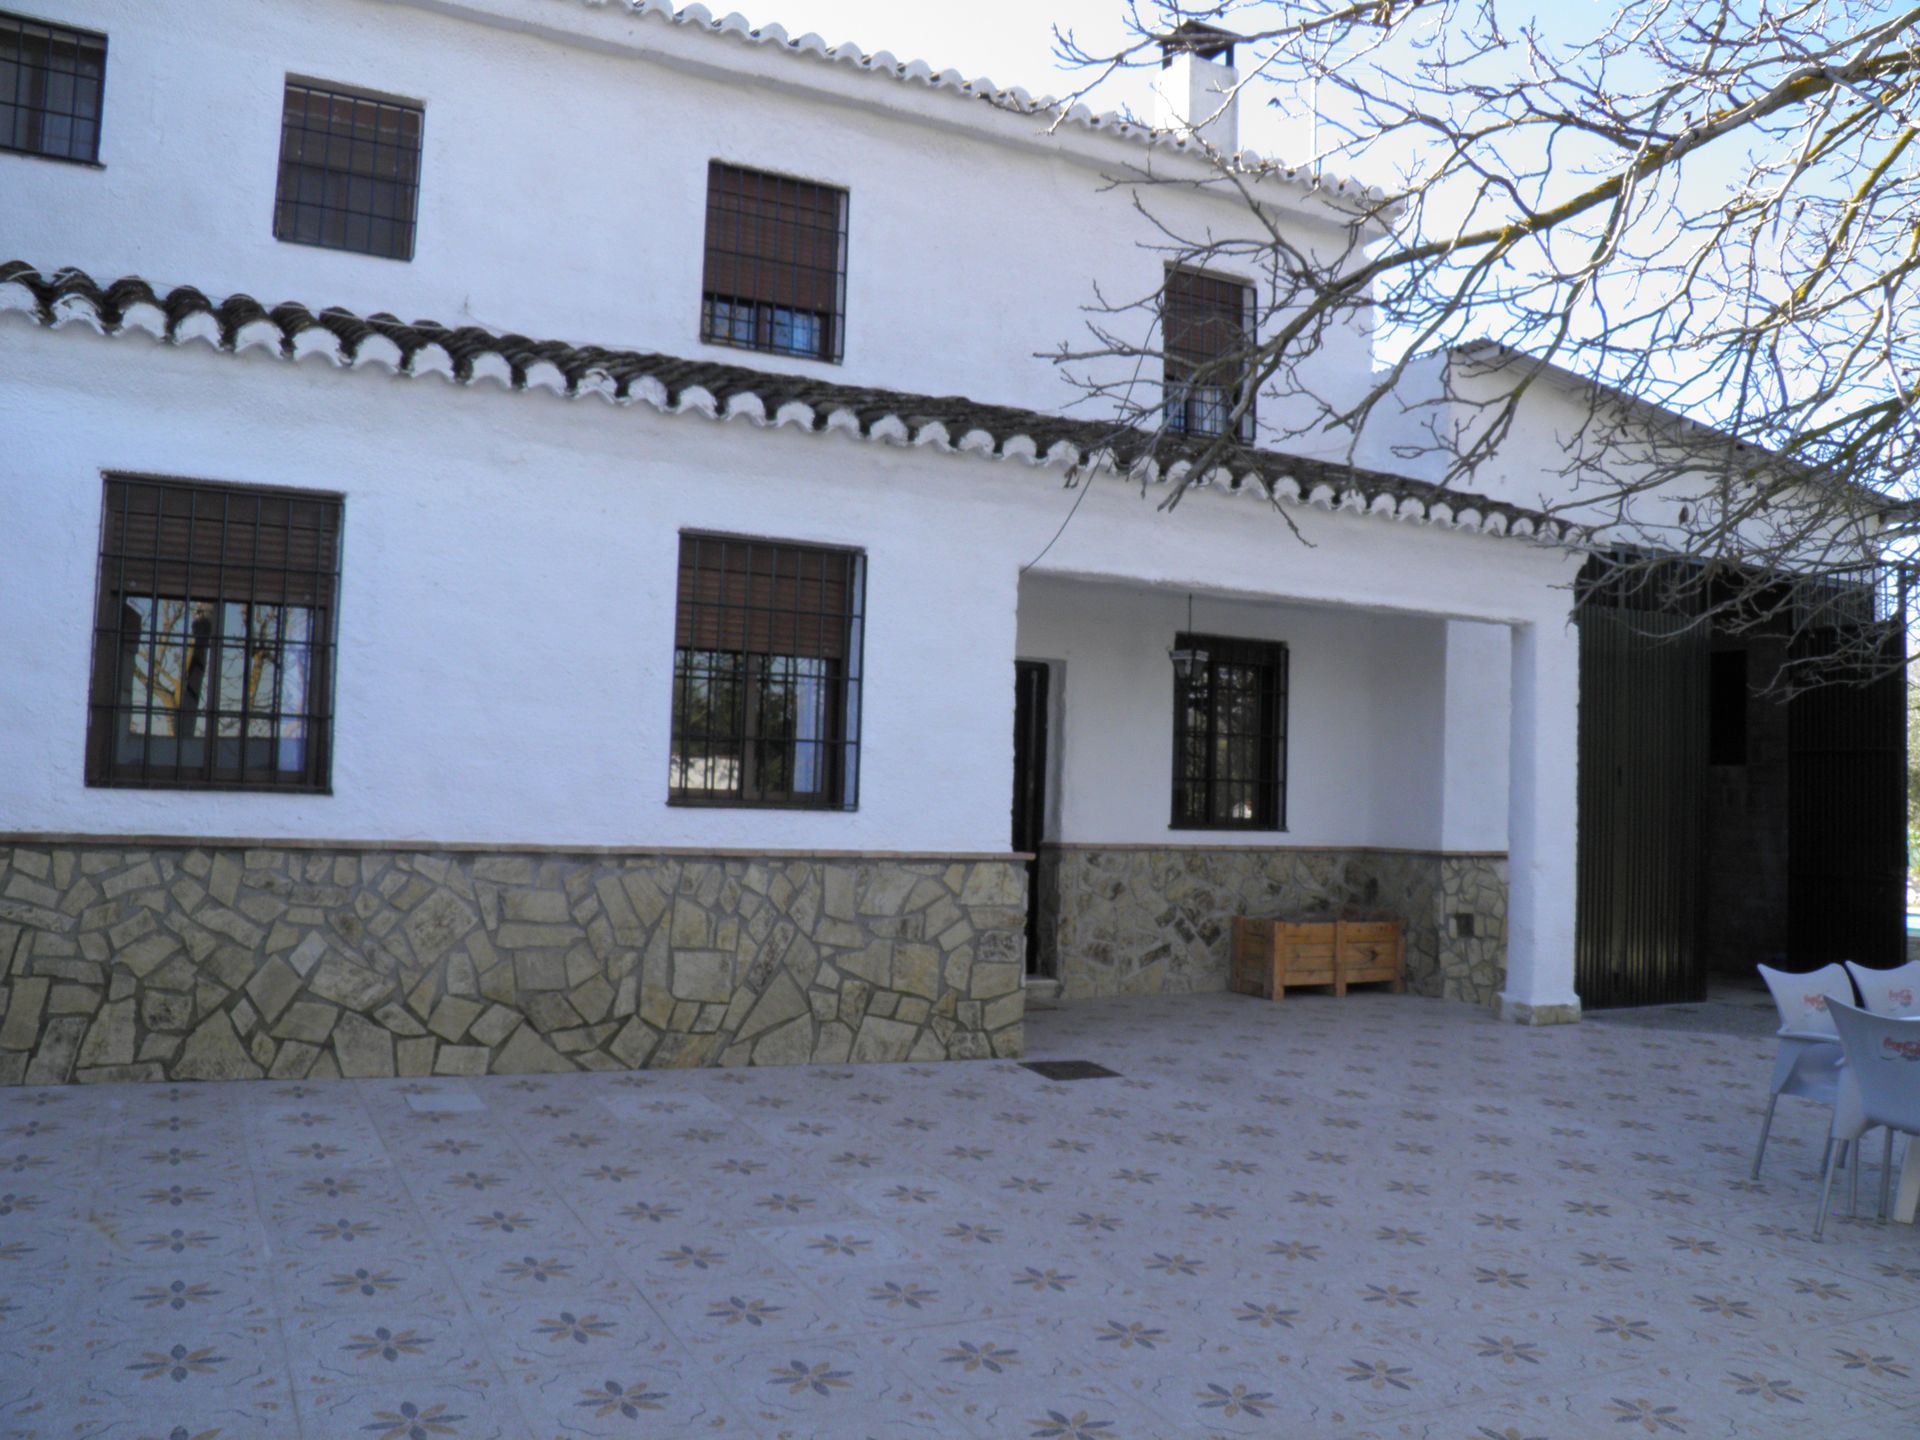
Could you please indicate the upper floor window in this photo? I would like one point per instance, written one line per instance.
(349, 171)
(213, 637)
(766, 674)
(51, 78)
(1207, 324)
(776, 264)
(1230, 735)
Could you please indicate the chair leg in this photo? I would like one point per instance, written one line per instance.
(1766, 1126)
(1853, 1179)
(1826, 1187)
(1886, 1176)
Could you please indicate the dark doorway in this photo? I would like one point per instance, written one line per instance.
(1846, 808)
(1030, 783)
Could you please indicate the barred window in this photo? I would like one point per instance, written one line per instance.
(51, 79)
(1206, 325)
(1230, 735)
(766, 674)
(213, 639)
(776, 263)
(349, 171)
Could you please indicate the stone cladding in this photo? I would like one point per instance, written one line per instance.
(171, 961)
(1149, 920)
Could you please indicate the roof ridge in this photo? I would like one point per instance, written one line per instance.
(468, 354)
(1110, 122)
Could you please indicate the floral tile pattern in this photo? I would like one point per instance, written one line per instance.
(1377, 1216)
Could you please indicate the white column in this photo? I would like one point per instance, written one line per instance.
(1542, 817)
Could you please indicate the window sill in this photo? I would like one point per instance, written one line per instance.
(56, 159)
(344, 250)
(806, 356)
(231, 787)
(1227, 829)
(691, 802)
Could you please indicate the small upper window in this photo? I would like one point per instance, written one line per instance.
(766, 674)
(349, 171)
(1230, 735)
(776, 266)
(213, 639)
(51, 77)
(1207, 324)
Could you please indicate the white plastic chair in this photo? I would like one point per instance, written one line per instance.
(1809, 1060)
(1888, 992)
(1879, 1085)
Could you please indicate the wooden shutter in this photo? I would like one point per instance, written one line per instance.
(1204, 318)
(211, 544)
(763, 598)
(773, 239)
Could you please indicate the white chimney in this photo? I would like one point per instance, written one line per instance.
(1194, 92)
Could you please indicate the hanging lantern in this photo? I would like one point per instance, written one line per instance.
(1189, 660)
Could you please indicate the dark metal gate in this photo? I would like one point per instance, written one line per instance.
(1642, 790)
(1846, 803)
(1030, 782)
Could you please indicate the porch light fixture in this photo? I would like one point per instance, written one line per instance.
(1188, 660)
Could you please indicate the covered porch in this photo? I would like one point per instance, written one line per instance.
(1188, 751)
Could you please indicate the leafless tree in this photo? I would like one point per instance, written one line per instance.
(1706, 208)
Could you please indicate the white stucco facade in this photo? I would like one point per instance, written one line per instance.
(506, 614)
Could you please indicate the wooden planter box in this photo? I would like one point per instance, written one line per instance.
(1270, 955)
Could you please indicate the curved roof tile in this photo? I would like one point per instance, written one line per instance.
(675, 384)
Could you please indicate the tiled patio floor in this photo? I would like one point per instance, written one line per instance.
(1377, 1216)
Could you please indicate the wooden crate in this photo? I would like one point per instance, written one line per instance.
(1270, 955)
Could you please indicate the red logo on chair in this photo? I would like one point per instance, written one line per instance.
(1814, 1002)
(1900, 997)
(1900, 1049)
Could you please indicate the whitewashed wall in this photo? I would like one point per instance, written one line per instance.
(506, 615)
(564, 185)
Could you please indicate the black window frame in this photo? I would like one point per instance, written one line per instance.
(33, 112)
(746, 296)
(242, 574)
(1181, 362)
(292, 210)
(1269, 785)
(771, 605)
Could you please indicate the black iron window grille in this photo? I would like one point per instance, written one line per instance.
(51, 81)
(1207, 324)
(776, 264)
(766, 674)
(213, 637)
(1230, 736)
(349, 171)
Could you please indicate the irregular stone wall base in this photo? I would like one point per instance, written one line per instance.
(163, 962)
(1149, 921)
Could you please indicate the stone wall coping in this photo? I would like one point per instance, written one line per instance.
(478, 847)
(1085, 845)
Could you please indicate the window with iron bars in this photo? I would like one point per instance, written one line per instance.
(213, 637)
(776, 264)
(1206, 323)
(767, 674)
(1230, 736)
(51, 81)
(349, 171)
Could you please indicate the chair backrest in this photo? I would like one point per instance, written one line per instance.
(1883, 1061)
(1803, 999)
(1889, 992)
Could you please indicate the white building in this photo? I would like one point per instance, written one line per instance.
(424, 696)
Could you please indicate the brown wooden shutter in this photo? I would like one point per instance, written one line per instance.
(759, 597)
(773, 239)
(218, 545)
(1203, 318)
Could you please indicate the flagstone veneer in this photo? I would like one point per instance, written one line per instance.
(180, 962)
(1146, 920)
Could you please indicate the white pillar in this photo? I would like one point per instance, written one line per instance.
(1542, 818)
